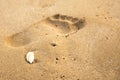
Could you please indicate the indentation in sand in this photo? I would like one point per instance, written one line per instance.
(18, 39)
(65, 24)
(62, 24)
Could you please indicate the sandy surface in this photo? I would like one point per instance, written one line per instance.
(88, 49)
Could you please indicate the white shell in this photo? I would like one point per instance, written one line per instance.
(30, 57)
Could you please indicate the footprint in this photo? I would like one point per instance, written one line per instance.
(54, 25)
(65, 24)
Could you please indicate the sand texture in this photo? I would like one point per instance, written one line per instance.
(71, 39)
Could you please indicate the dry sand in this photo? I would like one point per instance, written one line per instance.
(89, 51)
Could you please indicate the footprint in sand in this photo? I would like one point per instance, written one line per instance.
(54, 25)
(65, 24)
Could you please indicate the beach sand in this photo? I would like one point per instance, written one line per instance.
(71, 39)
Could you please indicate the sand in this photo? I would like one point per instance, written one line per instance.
(71, 39)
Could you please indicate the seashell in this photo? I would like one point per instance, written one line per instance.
(30, 57)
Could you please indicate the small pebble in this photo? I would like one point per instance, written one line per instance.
(30, 57)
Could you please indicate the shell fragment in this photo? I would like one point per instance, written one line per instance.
(30, 57)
